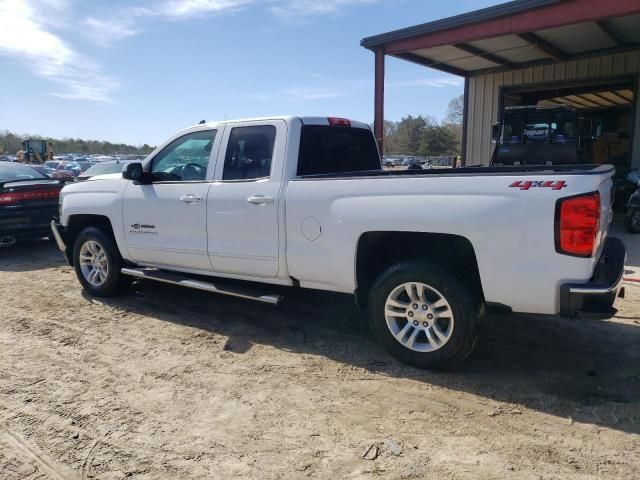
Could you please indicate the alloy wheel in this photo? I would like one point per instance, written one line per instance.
(94, 263)
(419, 317)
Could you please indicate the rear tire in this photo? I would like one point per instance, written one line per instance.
(97, 263)
(423, 315)
(632, 220)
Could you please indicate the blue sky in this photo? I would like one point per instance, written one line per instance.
(137, 71)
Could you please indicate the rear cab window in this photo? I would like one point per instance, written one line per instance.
(249, 153)
(336, 149)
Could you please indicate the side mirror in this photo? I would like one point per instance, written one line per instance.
(132, 171)
(496, 131)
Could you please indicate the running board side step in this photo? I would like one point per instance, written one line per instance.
(184, 281)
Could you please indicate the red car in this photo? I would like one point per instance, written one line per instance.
(28, 203)
(67, 171)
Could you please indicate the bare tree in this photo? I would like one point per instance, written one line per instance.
(455, 111)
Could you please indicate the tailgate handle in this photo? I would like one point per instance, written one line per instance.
(260, 200)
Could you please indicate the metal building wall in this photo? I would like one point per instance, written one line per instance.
(484, 92)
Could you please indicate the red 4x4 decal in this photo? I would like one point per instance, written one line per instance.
(527, 184)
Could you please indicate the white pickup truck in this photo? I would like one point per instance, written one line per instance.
(304, 202)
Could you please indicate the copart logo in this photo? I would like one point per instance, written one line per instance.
(527, 184)
(143, 229)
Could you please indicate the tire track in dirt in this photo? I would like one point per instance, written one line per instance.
(197, 386)
(53, 470)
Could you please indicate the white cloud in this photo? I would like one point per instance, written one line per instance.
(440, 82)
(309, 93)
(336, 88)
(29, 33)
(298, 8)
(296, 93)
(24, 36)
(104, 32)
(128, 21)
(184, 9)
(125, 22)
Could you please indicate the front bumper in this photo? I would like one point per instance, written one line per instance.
(57, 231)
(598, 295)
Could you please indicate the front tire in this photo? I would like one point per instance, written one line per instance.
(97, 262)
(632, 220)
(423, 315)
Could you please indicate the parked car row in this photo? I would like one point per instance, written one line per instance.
(79, 169)
(103, 168)
(29, 194)
(410, 162)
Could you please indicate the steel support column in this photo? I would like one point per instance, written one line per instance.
(465, 124)
(378, 108)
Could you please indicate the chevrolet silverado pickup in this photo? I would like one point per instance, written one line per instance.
(303, 202)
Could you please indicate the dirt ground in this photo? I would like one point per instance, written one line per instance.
(172, 383)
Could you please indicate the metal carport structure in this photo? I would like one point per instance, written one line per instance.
(553, 43)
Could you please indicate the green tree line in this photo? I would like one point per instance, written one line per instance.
(424, 136)
(10, 143)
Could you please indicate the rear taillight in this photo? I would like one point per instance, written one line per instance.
(339, 122)
(11, 198)
(577, 222)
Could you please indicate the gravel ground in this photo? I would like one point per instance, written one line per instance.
(165, 382)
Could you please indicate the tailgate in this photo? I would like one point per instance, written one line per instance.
(605, 188)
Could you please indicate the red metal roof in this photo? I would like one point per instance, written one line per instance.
(516, 35)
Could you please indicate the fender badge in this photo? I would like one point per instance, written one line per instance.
(143, 229)
(527, 184)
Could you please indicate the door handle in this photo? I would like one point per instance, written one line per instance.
(260, 200)
(190, 198)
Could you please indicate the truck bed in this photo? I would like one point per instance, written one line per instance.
(507, 213)
(473, 171)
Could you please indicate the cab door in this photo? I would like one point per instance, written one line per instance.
(165, 220)
(242, 207)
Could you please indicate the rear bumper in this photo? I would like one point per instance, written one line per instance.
(24, 229)
(12, 233)
(598, 295)
(26, 222)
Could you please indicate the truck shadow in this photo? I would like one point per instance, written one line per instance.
(578, 370)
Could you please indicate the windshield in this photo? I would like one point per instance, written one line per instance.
(15, 171)
(103, 169)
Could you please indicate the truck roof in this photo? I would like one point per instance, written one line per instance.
(306, 120)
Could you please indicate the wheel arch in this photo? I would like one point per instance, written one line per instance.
(78, 222)
(377, 250)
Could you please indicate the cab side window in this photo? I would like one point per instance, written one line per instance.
(185, 159)
(249, 153)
